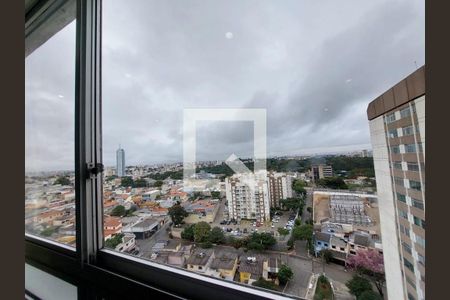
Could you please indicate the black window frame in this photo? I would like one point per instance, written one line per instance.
(90, 261)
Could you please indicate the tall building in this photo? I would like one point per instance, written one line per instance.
(280, 187)
(120, 162)
(397, 129)
(321, 171)
(247, 197)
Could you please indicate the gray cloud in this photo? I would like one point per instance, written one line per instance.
(313, 65)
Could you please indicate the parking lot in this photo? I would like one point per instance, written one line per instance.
(246, 227)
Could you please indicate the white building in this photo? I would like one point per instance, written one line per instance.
(248, 197)
(120, 162)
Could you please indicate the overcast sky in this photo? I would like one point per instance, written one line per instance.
(313, 65)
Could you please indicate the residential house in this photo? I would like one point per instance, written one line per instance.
(224, 265)
(200, 260)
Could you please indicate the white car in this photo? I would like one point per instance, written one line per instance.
(273, 226)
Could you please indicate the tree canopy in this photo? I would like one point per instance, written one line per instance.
(285, 274)
(201, 232)
(188, 233)
(118, 211)
(357, 285)
(260, 241)
(216, 236)
(302, 232)
(177, 213)
(62, 180)
(336, 183)
(114, 241)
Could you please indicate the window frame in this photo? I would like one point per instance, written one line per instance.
(91, 261)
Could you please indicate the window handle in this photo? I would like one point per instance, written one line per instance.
(95, 169)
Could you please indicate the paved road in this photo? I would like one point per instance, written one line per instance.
(145, 246)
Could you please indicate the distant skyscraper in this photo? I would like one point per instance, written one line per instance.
(120, 162)
(397, 130)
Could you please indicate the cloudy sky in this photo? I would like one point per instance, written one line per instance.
(313, 65)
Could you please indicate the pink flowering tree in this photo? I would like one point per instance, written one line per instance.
(369, 263)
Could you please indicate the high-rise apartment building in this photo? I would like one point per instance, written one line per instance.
(280, 187)
(321, 171)
(397, 129)
(247, 197)
(120, 162)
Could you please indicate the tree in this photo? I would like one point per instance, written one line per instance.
(188, 233)
(357, 285)
(206, 245)
(369, 263)
(118, 211)
(327, 255)
(140, 183)
(215, 194)
(299, 187)
(126, 181)
(201, 232)
(369, 295)
(260, 241)
(158, 183)
(62, 180)
(216, 236)
(333, 183)
(236, 243)
(293, 203)
(298, 221)
(114, 241)
(177, 213)
(302, 232)
(265, 284)
(285, 274)
(283, 231)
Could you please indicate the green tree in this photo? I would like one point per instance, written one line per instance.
(216, 236)
(206, 245)
(299, 187)
(62, 180)
(236, 243)
(285, 274)
(357, 285)
(126, 181)
(48, 231)
(114, 241)
(298, 221)
(158, 183)
(369, 295)
(118, 211)
(283, 231)
(265, 284)
(327, 255)
(201, 232)
(177, 213)
(293, 203)
(302, 232)
(260, 241)
(188, 233)
(140, 183)
(215, 194)
(333, 183)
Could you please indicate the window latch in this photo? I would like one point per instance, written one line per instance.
(95, 169)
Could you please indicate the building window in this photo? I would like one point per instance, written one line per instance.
(417, 204)
(407, 247)
(392, 133)
(408, 264)
(410, 148)
(420, 241)
(395, 149)
(390, 118)
(397, 165)
(413, 166)
(403, 214)
(410, 281)
(415, 185)
(401, 197)
(405, 112)
(399, 181)
(419, 222)
(421, 259)
(408, 130)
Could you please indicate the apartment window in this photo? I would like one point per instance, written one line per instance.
(390, 118)
(410, 148)
(401, 197)
(404, 230)
(413, 166)
(411, 297)
(417, 204)
(415, 185)
(407, 247)
(49, 139)
(410, 281)
(397, 165)
(408, 264)
(395, 149)
(399, 181)
(403, 214)
(420, 147)
(419, 222)
(407, 130)
(421, 259)
(393, 133)
(405, 112)
(420, 241)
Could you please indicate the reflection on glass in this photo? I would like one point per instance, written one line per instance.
(49, 138)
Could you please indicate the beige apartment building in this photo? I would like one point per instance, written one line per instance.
(280, 187)
(320, 171)
(397, 129)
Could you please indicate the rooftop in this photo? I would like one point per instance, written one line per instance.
(200, 257)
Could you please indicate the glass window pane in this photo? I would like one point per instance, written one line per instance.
(49, 138)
